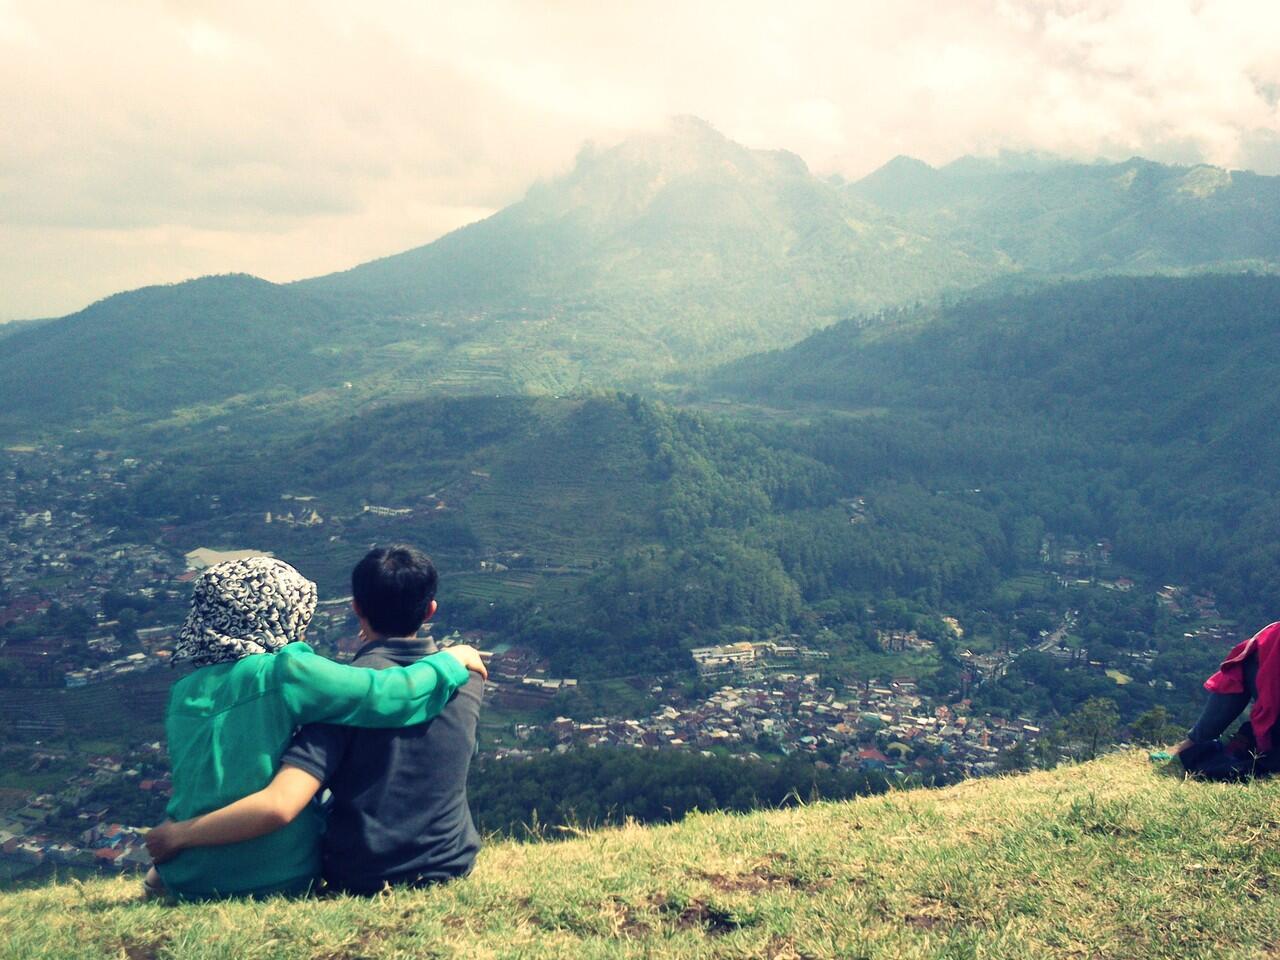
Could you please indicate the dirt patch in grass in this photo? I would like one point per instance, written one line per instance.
(771, 873)
(698, 914)
(142, 949)
(626, 923)
(922, 922)
(366, 943)
(621, 918)
(761, 878)
(928, 913)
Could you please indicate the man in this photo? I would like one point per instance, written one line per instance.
(399, 810)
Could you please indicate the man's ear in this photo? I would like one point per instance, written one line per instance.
(355, 608)
(431, 611)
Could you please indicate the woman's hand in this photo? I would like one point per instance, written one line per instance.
(164, 842)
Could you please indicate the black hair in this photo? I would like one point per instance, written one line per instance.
(393, 587)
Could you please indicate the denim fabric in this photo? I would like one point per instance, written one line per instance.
(1221, 709)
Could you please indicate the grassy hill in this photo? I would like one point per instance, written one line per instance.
(1105, 859)
(565, 481)
(1129, 358)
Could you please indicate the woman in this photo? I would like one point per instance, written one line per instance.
(1250, 673)
(230, 720)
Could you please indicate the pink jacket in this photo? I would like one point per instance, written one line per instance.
(1230, 679)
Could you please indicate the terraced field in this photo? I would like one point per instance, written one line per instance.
(511, 587)
(133, 705)
(492, 586)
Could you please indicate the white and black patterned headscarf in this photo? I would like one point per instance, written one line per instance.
(243, 607)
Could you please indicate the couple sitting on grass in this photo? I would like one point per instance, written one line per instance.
(264, 722)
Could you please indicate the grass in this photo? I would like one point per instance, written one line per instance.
(39, 781)
(497, 724)
(1036, 584)
(882, 666)
(1107, 859)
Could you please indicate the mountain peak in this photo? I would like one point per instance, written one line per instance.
(1004, 161)
(901, 178)
(687, 145)
(693, 127)
(905, 164)
(618, 182)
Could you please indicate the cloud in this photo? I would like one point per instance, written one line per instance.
(151, 140)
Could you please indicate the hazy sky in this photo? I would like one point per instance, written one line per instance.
(145, 142)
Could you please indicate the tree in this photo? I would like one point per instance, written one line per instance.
(126, 629)
(1094, 724)
(1154, 728)
(1015, 757)
(1048, 746)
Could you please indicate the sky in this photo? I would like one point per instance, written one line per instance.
(151, 142)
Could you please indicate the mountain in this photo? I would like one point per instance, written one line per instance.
(664, 254)
(152, 352)
(1052, 216)
(1108, 858)
(10, 327)
(666, 251)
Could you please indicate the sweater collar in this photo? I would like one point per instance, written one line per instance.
(394, 648)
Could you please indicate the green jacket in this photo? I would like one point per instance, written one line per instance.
(227, 726)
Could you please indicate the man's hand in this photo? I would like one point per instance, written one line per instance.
(469, 657)
(164, 842)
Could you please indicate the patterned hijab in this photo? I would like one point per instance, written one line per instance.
(243, 607)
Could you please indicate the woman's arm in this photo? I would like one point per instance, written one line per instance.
(321, 691)
(259, 813)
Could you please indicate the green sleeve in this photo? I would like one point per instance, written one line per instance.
(317, 690)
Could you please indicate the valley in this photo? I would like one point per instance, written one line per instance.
(755, 483)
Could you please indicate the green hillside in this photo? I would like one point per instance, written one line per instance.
(142, 355)
(1106, 859)
(1136, 409)
(583, 499)
(563, 481)
(664, 253)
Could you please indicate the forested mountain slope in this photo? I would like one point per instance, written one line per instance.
(606, 491)
(1136, 408)
(661, 529)
(665, 252)
(150, 352)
